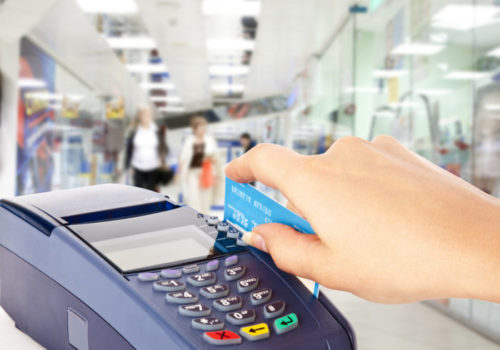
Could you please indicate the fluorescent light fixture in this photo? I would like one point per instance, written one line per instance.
(226, 88)
(464, 17)
(492, 107)
(494, 53)
(146, 68)
(417, 49)
(108, 6)
(137, 43)
(157, 86)
(465, 75)
(433, 92)
(169, 99)
(231, 7)
(172, 109)
(393, 73)
(31, 83)
(230, 44)
(361, 90)
(228, 70)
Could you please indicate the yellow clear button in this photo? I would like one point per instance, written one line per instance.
(255, 332)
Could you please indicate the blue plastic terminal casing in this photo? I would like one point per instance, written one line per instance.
(62, 288)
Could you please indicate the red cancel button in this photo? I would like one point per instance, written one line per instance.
(223, 337)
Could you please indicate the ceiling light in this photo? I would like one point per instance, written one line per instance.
(226, 88)
(361, 90)
(146, 68)
(137, 43)
(172, 109)
(228, 70)
(494, 53)
(433, 92)
(157, 86)
(417, 49)
(393, 73)
(492, 107)
(31, 83)
(108, 6)
(169, 99)
(465, 17)
(230, 44)
(465, 75)
(231, 7)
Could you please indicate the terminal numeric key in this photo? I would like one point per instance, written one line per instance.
(195, 310)
(215, 291)
(184, 297)
(261, 296)
(228, 304)
(234, 273)
(202, 279)
(242, 317)
(248, 284)
(169, 286)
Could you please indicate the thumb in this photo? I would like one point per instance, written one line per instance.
(292, 251)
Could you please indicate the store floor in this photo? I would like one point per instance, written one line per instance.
(378, 327)
(405, 327)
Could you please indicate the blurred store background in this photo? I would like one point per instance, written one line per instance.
(297, 73)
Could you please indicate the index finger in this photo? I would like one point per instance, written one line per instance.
(275, 166)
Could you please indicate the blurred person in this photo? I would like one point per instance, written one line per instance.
(198, 163)
(146, 150)
(246, 142)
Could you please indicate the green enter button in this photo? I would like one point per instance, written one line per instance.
(286, 323)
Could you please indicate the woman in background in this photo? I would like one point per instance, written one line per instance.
(199, 148)
(146, 149)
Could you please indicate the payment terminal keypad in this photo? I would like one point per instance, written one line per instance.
(226, 306)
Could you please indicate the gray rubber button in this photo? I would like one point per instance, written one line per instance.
(207, 323)
(171, 273)
(184, 297)
(223, 226)
(242, 317)
(232, 260)
(261, 296)
(195, 310)
(274, 309)
(222, 337)
(234, 273)
(233, 233)
(212, 220)
(202, 279)
(216, 291)
(191, 269)
(148, 276)
(213, 265)
(228, 304)
(248, 284)
(169, 286)
(241, 243)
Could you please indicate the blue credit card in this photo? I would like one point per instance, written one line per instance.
(247, 207)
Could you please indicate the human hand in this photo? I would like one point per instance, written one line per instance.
(390, 226)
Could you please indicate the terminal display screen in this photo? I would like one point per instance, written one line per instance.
(157, 248)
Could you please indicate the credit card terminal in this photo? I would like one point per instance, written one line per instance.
(118, 267)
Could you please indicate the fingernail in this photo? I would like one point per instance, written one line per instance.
(256, 240)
